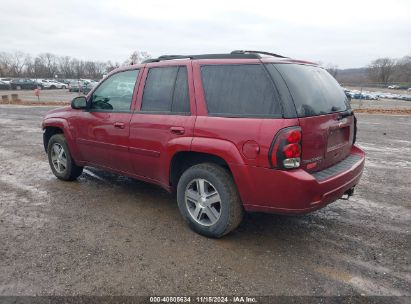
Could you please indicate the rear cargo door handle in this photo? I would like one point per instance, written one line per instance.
(119, 125)
(177, 130)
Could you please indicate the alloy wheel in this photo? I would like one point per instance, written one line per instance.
(58, 158)
(203, 202)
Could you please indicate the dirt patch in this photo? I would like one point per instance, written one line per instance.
(384, 111)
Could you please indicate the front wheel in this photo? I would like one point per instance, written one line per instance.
(208, 200)
(60, 160)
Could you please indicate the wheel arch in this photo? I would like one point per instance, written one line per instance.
(53, 126)
(183, 160)
(49, 131)
(221, 152)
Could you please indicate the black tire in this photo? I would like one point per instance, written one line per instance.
(230, 208)
(71, 170)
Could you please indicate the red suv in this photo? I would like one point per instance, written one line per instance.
(248, 130)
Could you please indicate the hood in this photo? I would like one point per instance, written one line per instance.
(58, 111)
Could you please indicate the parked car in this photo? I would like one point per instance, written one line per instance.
(24, 84)
(75, 86)
(6, 80)
(56, 85)
(4, 85)
(394, 87)
(227, 132)
(88, 86)
(45, 84)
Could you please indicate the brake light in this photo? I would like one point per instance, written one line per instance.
(294, 136)
(292, 150)
(285, 151)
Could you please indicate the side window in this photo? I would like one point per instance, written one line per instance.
(239, 90)
(116, 92)
(166, 90)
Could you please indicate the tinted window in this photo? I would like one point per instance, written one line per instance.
(239, 90)
(314, 90)
(166, 90)
(116, 92)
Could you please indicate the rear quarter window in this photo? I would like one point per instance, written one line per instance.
(239, 91)
(313, 90)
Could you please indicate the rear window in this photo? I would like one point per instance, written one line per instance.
(166, 90)
(314, 90)
(239, 91)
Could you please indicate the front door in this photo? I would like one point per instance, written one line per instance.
(103, 130)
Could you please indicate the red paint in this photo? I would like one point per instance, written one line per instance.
(142, 145)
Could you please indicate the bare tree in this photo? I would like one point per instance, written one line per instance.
(50, 62)
(29, 67)
(78, 67)
(137, 57)
(5, 64)
(65, 67)
(332, 69)
(17, 63)
(111, 66)
(382, 69)
(403, 69)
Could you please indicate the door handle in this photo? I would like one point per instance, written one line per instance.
(119, 125)
(177, 130)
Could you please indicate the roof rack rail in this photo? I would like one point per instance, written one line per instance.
(166, 57)
(232, 55)
(257, 52)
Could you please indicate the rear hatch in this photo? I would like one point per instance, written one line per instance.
(324, 113)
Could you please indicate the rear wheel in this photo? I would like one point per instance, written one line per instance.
(208, 200)
(60, 160)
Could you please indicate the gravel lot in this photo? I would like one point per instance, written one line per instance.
(109, 235)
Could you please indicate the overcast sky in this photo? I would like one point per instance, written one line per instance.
(346, 33)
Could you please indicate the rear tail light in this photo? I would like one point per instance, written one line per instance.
(285, 150)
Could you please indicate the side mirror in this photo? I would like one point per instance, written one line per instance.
(79, 102)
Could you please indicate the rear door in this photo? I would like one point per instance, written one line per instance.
(162, 119)
(325, 117)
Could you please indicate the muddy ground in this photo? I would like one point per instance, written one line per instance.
(107, 234)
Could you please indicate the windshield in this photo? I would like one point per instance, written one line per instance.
(313, 89)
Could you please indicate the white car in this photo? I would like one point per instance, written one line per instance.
(6, 80)
(57, 85)
(394, 86)
(51, 84)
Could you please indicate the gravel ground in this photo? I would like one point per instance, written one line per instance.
(109, 235)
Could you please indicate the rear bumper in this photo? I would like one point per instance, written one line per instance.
(297, 191)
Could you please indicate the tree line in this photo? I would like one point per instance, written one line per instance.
(382, 71)
(47, 65)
